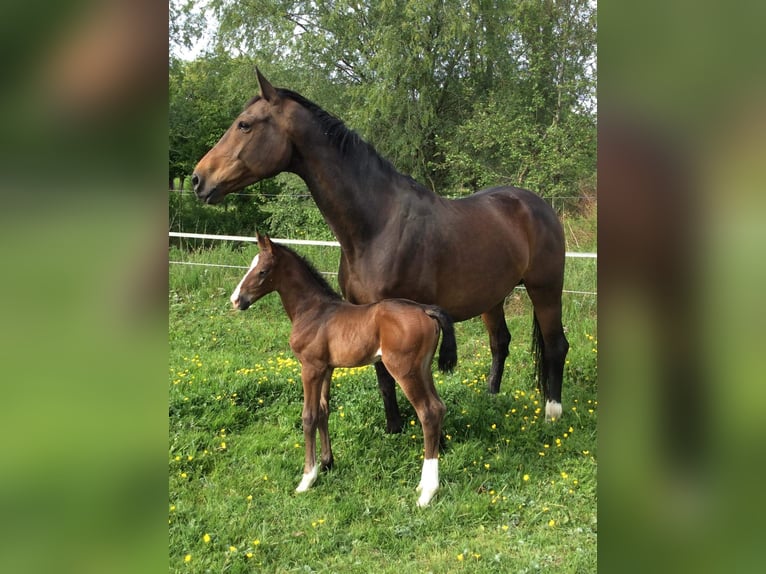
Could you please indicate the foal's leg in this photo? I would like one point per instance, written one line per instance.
(388, 392)
(547, 306)
(313, 380)
(499, 339)
(418, 386)
(324, 415)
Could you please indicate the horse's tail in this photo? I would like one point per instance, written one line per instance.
(538, 349)
(448, 349)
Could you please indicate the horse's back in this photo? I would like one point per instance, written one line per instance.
(523, 216)
(513, 203)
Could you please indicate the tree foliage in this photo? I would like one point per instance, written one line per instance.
(461, 94)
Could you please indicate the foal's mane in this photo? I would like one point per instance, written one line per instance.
(316, 275)
(345, 140)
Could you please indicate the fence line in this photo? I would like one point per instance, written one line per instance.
(321, 243)
(200, 264)
(448, 196)
(574, 254)
(252, 239)
(335, 274)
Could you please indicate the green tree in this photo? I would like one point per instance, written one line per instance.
(204, 96)
(459, 93)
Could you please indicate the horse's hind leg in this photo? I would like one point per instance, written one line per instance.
(553, 346)
(431, 415)
(418, 387)
(499, 340)
(387, 387)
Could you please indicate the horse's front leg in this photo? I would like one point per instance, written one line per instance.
(387, 387)
(326, 457)
(312, 386)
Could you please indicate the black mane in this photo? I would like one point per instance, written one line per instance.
(345, 140)
(321, 281)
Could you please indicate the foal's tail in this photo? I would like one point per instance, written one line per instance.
(448, 349)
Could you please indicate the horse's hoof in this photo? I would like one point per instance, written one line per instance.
(425, 497)
(429, 481)
(553, 410)
(394, 427)
(308, 479)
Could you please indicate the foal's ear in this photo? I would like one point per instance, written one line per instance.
(265, 89)
(264, 243)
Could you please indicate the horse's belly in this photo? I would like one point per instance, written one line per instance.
(466, 308)
(351, 344)
(465, 281)
(463, 293)
(350, 356)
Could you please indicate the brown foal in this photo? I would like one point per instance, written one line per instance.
(328, 332)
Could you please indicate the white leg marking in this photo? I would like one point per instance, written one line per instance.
(308, 479)
(429, 481)
(553, 410)
(235, 295)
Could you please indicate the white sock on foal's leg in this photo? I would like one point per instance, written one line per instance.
(553, 410)
(308, 479)
(429, 481)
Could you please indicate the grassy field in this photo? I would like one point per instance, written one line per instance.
(517, 494)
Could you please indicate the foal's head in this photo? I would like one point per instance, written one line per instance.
(259, 279)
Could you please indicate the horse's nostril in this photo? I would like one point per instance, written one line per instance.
(195, 181)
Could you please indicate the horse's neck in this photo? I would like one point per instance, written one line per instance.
(355, 202)
(299, 291)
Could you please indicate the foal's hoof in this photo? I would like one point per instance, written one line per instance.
(426, 494)
(429, 481)
(308, 479)
(553, 410)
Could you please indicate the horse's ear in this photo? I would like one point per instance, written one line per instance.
(264, 243)
(266, 90)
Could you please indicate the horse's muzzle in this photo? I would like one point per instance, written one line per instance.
(242, 304)
(204, 194)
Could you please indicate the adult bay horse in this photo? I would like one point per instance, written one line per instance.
(399, 239)
(328, 332)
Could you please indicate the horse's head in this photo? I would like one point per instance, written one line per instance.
(255, 146)
(259, 279)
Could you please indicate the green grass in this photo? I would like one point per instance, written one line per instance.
(517, 494)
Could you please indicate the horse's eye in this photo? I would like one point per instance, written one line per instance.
(244, 126)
